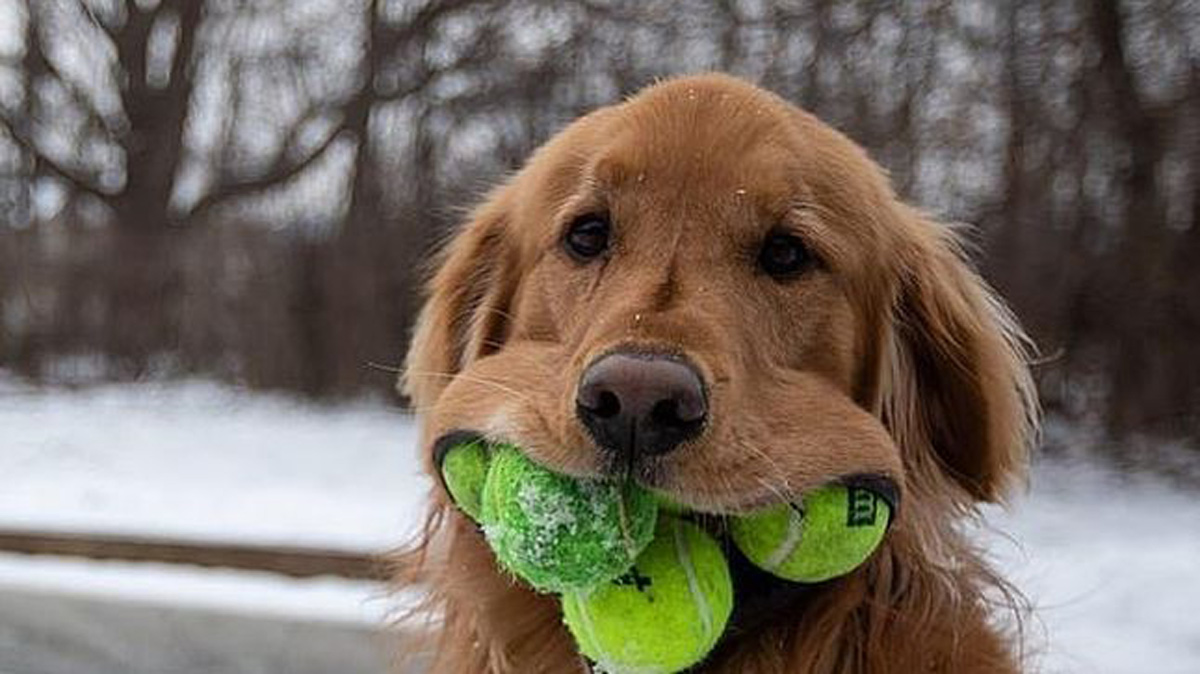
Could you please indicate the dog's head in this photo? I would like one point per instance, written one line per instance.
(712, 292)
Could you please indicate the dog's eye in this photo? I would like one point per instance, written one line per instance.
(784, 256)
(587, 237)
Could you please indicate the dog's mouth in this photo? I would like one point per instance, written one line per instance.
(761, 598)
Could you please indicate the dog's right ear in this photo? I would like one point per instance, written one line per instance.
(959, 383)
(467, 304)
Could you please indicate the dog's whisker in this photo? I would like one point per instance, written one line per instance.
(523, 397)
(390, 369)
(499, 312)
(774, 467)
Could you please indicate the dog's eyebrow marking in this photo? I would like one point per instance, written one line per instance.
(608, 171)
(807, 219)
(666, 291)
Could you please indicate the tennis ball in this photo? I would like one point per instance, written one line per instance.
(666, 504)
(665, 614)
(464, 470)
(560, 533)
(829, 533)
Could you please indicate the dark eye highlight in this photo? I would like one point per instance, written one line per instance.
(587, 237)
(784, 256)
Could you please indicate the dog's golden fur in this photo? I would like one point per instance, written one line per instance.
(890, 356)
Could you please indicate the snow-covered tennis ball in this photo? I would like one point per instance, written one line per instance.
(464, 469)
(831, 532)
(559, 533)
(665, 614)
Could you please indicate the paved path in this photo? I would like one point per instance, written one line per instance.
(46, 632)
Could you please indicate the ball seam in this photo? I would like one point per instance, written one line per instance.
(685, 560)
(589, 629)
(791, 539)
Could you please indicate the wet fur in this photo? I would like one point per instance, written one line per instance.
(894, 358)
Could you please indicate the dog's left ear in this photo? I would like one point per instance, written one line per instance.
(465, 315)
(958, 381)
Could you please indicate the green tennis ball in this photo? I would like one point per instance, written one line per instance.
(665, 614)
(464, 470)
(834, 529)
(560, 533)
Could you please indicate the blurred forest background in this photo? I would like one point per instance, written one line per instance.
(245, 189)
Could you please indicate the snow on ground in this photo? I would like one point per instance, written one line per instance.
(1110, 561)
(197, 460)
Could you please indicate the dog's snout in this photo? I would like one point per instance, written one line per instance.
(641, 404)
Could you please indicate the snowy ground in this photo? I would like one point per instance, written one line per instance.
(197, 460)
(1110, 561)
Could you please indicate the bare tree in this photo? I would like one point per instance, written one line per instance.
(247, 189)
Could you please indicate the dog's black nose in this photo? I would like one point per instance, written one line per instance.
(641, 404)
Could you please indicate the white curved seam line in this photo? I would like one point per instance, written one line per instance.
(685, 558)
(791, 539)
(590, 629)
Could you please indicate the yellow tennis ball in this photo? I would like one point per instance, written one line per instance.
(831, 532)
(665, 614)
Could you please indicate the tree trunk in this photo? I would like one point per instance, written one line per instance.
(144, 278)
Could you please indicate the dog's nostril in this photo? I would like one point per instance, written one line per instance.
(598, 402)
(608, 405)
(665, 412)
(670, 413)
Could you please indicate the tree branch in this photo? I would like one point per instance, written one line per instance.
(52, 165)
(282, 172)
(38, 61)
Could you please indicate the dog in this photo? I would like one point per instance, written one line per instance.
(709, 291)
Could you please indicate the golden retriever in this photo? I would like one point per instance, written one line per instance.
(710, 291)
